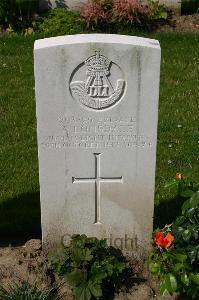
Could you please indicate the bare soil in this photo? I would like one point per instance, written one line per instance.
(28, 262)
(185, 23)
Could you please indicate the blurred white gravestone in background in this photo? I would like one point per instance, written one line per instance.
(77, 4)
(97, 113)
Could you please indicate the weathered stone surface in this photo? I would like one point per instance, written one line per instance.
(97, 111)
(71, 4)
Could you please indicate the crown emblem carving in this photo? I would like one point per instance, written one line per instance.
(97, 91)
(98, 63)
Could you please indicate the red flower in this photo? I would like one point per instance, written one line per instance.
(163, 241)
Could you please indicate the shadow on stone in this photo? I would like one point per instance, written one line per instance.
(20, 219)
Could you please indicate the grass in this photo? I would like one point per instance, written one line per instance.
(178, 135)
(19, 186)
(27, 291)
(178, 131)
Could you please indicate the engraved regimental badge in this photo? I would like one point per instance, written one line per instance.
(101, 87)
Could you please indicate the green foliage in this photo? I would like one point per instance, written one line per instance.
(87, 264)
(178, 266)
(158, 11)
(59, 21)
(186, 228)
(25, 291)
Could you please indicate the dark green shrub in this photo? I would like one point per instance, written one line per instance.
(26, 291)
(26, 7)
(90, 266)
(59, 21)
(17, 13)
(6, 11)
(190, 7)
(24, 13)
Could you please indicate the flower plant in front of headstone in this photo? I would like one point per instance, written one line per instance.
(175, 256)
(90, 266)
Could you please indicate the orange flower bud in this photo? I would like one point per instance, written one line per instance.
(179, 176)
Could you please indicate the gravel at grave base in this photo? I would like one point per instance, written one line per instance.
(184, 23)
(29, 263)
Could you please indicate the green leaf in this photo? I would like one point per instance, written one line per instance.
(109, 269)
(186, 206)
(179, 221)
(87, 255)
(163, 15)
(76, 255)
(154, 267)
(197, 253)
(192, 202)
(163, 288)
(178, 267)
(171, 184)
(98, 277)
(82, 292)
(191, 214)
(171, 283)
(79, 255)
(186, 193)
(78, 241)
(97, 273)
(103, 243)
(194, 278)
(185, 279)
(181, 257)
(186, 235)
(95, 289)
(76, 277)
(195, 199)
(120, 267)
(178, 230)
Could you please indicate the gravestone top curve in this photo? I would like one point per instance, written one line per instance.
(96, 38)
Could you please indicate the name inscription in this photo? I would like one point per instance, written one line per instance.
(80, 132)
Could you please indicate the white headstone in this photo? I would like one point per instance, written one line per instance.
(97, 111)
(71, 4)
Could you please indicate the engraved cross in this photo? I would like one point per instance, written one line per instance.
(97, 180)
